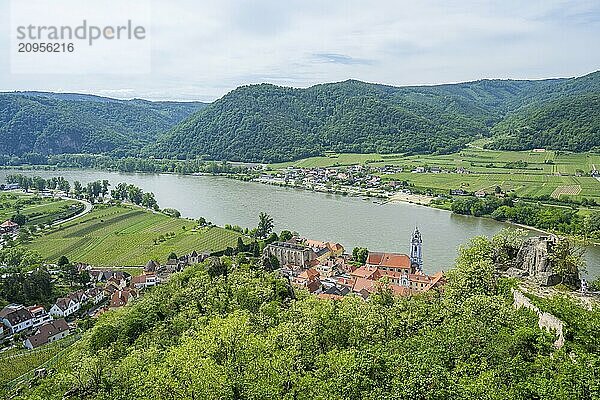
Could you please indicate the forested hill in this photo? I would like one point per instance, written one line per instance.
(53, 123)
(228, 329)
(569, 123)
(270, 123)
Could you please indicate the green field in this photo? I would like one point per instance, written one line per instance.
(38, 210)
(125, 236)
(17, 362)
(544, 173)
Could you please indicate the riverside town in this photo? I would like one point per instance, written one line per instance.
(307, 200)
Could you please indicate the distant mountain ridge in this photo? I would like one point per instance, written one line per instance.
(55, 123)
(269, 123)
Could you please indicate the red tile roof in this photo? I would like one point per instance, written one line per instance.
(389, 260)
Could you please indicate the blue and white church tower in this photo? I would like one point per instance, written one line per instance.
(416, 250)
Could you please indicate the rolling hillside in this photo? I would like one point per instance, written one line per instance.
(51, 123)
(270, 124)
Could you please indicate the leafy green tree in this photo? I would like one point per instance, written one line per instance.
(19, 219)
(265, 225)
(360, 254)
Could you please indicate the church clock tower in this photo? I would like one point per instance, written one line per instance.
(416, 255)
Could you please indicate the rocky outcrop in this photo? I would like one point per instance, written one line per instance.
(546, 320)
(533, 261)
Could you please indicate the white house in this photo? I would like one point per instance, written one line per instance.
(143, 281)
(40, 316)
(48, 333)
(65, 306)
(95, 295)
(16, 318)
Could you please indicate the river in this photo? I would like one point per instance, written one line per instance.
(350, 221)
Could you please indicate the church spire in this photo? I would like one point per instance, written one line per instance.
(416, 250)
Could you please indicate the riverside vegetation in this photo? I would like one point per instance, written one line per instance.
(229, 329)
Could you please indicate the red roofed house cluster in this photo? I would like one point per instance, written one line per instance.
(323, 269)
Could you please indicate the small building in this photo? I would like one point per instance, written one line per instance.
(39, 315)
(308, 279)
(48, 333)
(8, 227)
(64, 307)
(143, 281)
(122, 297)
(16, 318)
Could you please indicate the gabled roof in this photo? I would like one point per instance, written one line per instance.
(46, 331)
(8, 224)
(309, 274)
(15, 314)
(389, 260)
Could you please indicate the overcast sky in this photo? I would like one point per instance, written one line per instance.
(203, 49)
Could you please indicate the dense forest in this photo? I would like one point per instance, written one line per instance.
(266, 123)
(569, 123)
(228, 329)
(46, 123)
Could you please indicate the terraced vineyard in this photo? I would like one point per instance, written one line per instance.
(16, 362)
(127, 236)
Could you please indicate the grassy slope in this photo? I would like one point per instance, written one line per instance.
(539, 179)
(49, 208)
(125, 236)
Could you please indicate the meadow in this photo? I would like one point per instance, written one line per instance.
(529, 174)
(128, 236)
(38, 210)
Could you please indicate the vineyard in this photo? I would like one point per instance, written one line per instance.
(17, 362)
(128, 236)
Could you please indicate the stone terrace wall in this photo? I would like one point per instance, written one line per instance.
(546, 320)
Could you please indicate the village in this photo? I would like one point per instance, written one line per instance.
(356, 180)
(108, 289)
(324, 269)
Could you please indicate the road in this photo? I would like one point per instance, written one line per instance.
(88, 207)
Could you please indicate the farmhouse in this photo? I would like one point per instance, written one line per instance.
(48, 333)
(16, 318)
(8, 227)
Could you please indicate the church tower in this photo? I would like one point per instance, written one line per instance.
(416, 248)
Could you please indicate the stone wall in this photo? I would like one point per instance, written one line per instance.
(546, 320)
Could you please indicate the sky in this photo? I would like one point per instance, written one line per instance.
(202, 49)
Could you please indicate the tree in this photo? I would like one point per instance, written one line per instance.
(77, 189)
(284, 236)
(360, 254)
(62, 261)
(149, 201)
(567, 258)
(19, 219)
(172, 256)
(105, 186)
(265, 225)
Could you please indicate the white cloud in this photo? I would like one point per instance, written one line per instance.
(203, 49)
